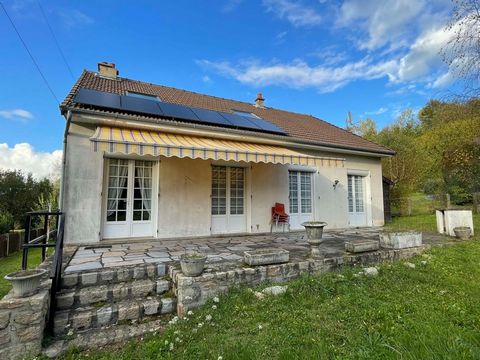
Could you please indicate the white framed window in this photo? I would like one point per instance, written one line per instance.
(300, 192)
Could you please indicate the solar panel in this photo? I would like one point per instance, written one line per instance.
(240, 121)
(267, 126)
(178, 111)
(211, 117)
(98, 98)
(139, 105)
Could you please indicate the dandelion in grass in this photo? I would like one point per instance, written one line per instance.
(216, 299)
(220, 358)
(208, 317)
(190, 313)
(200, 325)
(260, 327)
(214, 307)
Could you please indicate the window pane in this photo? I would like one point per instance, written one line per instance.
(293, 191)
(350, 193)
(121, 216)
(236, 190)
(146, 215)
(137, 215)
(306, 192)
(219, 190)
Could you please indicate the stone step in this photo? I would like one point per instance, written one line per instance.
(109, 293)
(68, 322)
(109, 275)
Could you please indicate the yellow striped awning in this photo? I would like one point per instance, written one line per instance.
(144, 142)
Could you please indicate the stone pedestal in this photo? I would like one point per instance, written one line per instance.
(400, 240)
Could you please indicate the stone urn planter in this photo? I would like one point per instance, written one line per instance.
(26, 282)
(462, 232)
(314, 231)
(192, 264)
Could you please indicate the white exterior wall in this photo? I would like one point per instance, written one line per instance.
(83, 187)
(185, 187)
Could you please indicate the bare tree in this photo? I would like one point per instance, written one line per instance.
(462, 52)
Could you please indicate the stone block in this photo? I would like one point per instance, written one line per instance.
(69, 280)
(91, 295)
(106, 275)
(30, 333)
(150, 307)
(120, 291)
(81, 320)
(163, 286)
(4, 337)
(161, 270)
(89, 278)
(361, 245)
(141, 288)
(168, 305)
(266, 256)
(104, 315)
(128, 311)
(139, 273)
(124, 274)
(150, 269)
(28, 317)
(65, 300)
(400, 240)
(60, 323)
(4, 319)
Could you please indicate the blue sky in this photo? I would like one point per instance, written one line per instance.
(325, 58)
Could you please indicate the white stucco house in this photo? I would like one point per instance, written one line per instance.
(144, 161)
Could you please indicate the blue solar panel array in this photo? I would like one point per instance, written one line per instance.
(174, 111)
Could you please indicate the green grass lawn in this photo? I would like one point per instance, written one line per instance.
(13, 263)
(429, 312)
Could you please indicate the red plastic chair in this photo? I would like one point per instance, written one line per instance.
(279, 216)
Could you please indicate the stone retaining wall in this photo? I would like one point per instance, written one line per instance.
(23, 320)
(193, 292)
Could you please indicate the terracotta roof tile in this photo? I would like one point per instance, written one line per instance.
(299, 126)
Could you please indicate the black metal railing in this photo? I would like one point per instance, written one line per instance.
(53, 238)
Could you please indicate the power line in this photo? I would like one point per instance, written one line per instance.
(56, 41)
(30, 54)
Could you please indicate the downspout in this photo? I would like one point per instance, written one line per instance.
(64, 161)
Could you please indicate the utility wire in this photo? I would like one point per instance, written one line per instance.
(30, 54)
(56, 41)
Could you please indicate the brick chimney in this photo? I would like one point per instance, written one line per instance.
(259, 101)
(107, 70)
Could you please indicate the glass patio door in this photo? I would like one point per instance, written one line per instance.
(129, 199)
(357, 216)
(228, 200)
(300, 196)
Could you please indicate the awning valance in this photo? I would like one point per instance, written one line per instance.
(144, 142)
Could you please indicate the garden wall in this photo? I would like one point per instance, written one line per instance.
(11, 242)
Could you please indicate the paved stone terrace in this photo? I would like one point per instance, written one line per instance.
(219, 250)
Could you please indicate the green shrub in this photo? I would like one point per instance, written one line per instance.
(6, 222)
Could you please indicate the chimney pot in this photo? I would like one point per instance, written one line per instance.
(259, 100)
(107, 69)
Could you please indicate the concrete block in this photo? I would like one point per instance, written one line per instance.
(447, 219)
(91, 295)
(266, 256)
(161, 270)
(361, 245)
(400, 240)
(69, 280)
(64, 301)
(106, 275)
(139, 273)
(142, 288)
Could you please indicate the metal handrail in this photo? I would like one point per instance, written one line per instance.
(42, 242)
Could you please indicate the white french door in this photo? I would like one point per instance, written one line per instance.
(300, 198)
(228, 200)
(357, 214)
(129, 201)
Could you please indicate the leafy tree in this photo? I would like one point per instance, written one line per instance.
(19, 193)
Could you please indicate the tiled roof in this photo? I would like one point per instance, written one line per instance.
(301, 127)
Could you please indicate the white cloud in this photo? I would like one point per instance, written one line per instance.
(296, 13)
(230, 5)
(206, 79)
(379, 111)
(388, 22)
(24, 157)
(299, 74)
(16, 114)
(73, 18)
